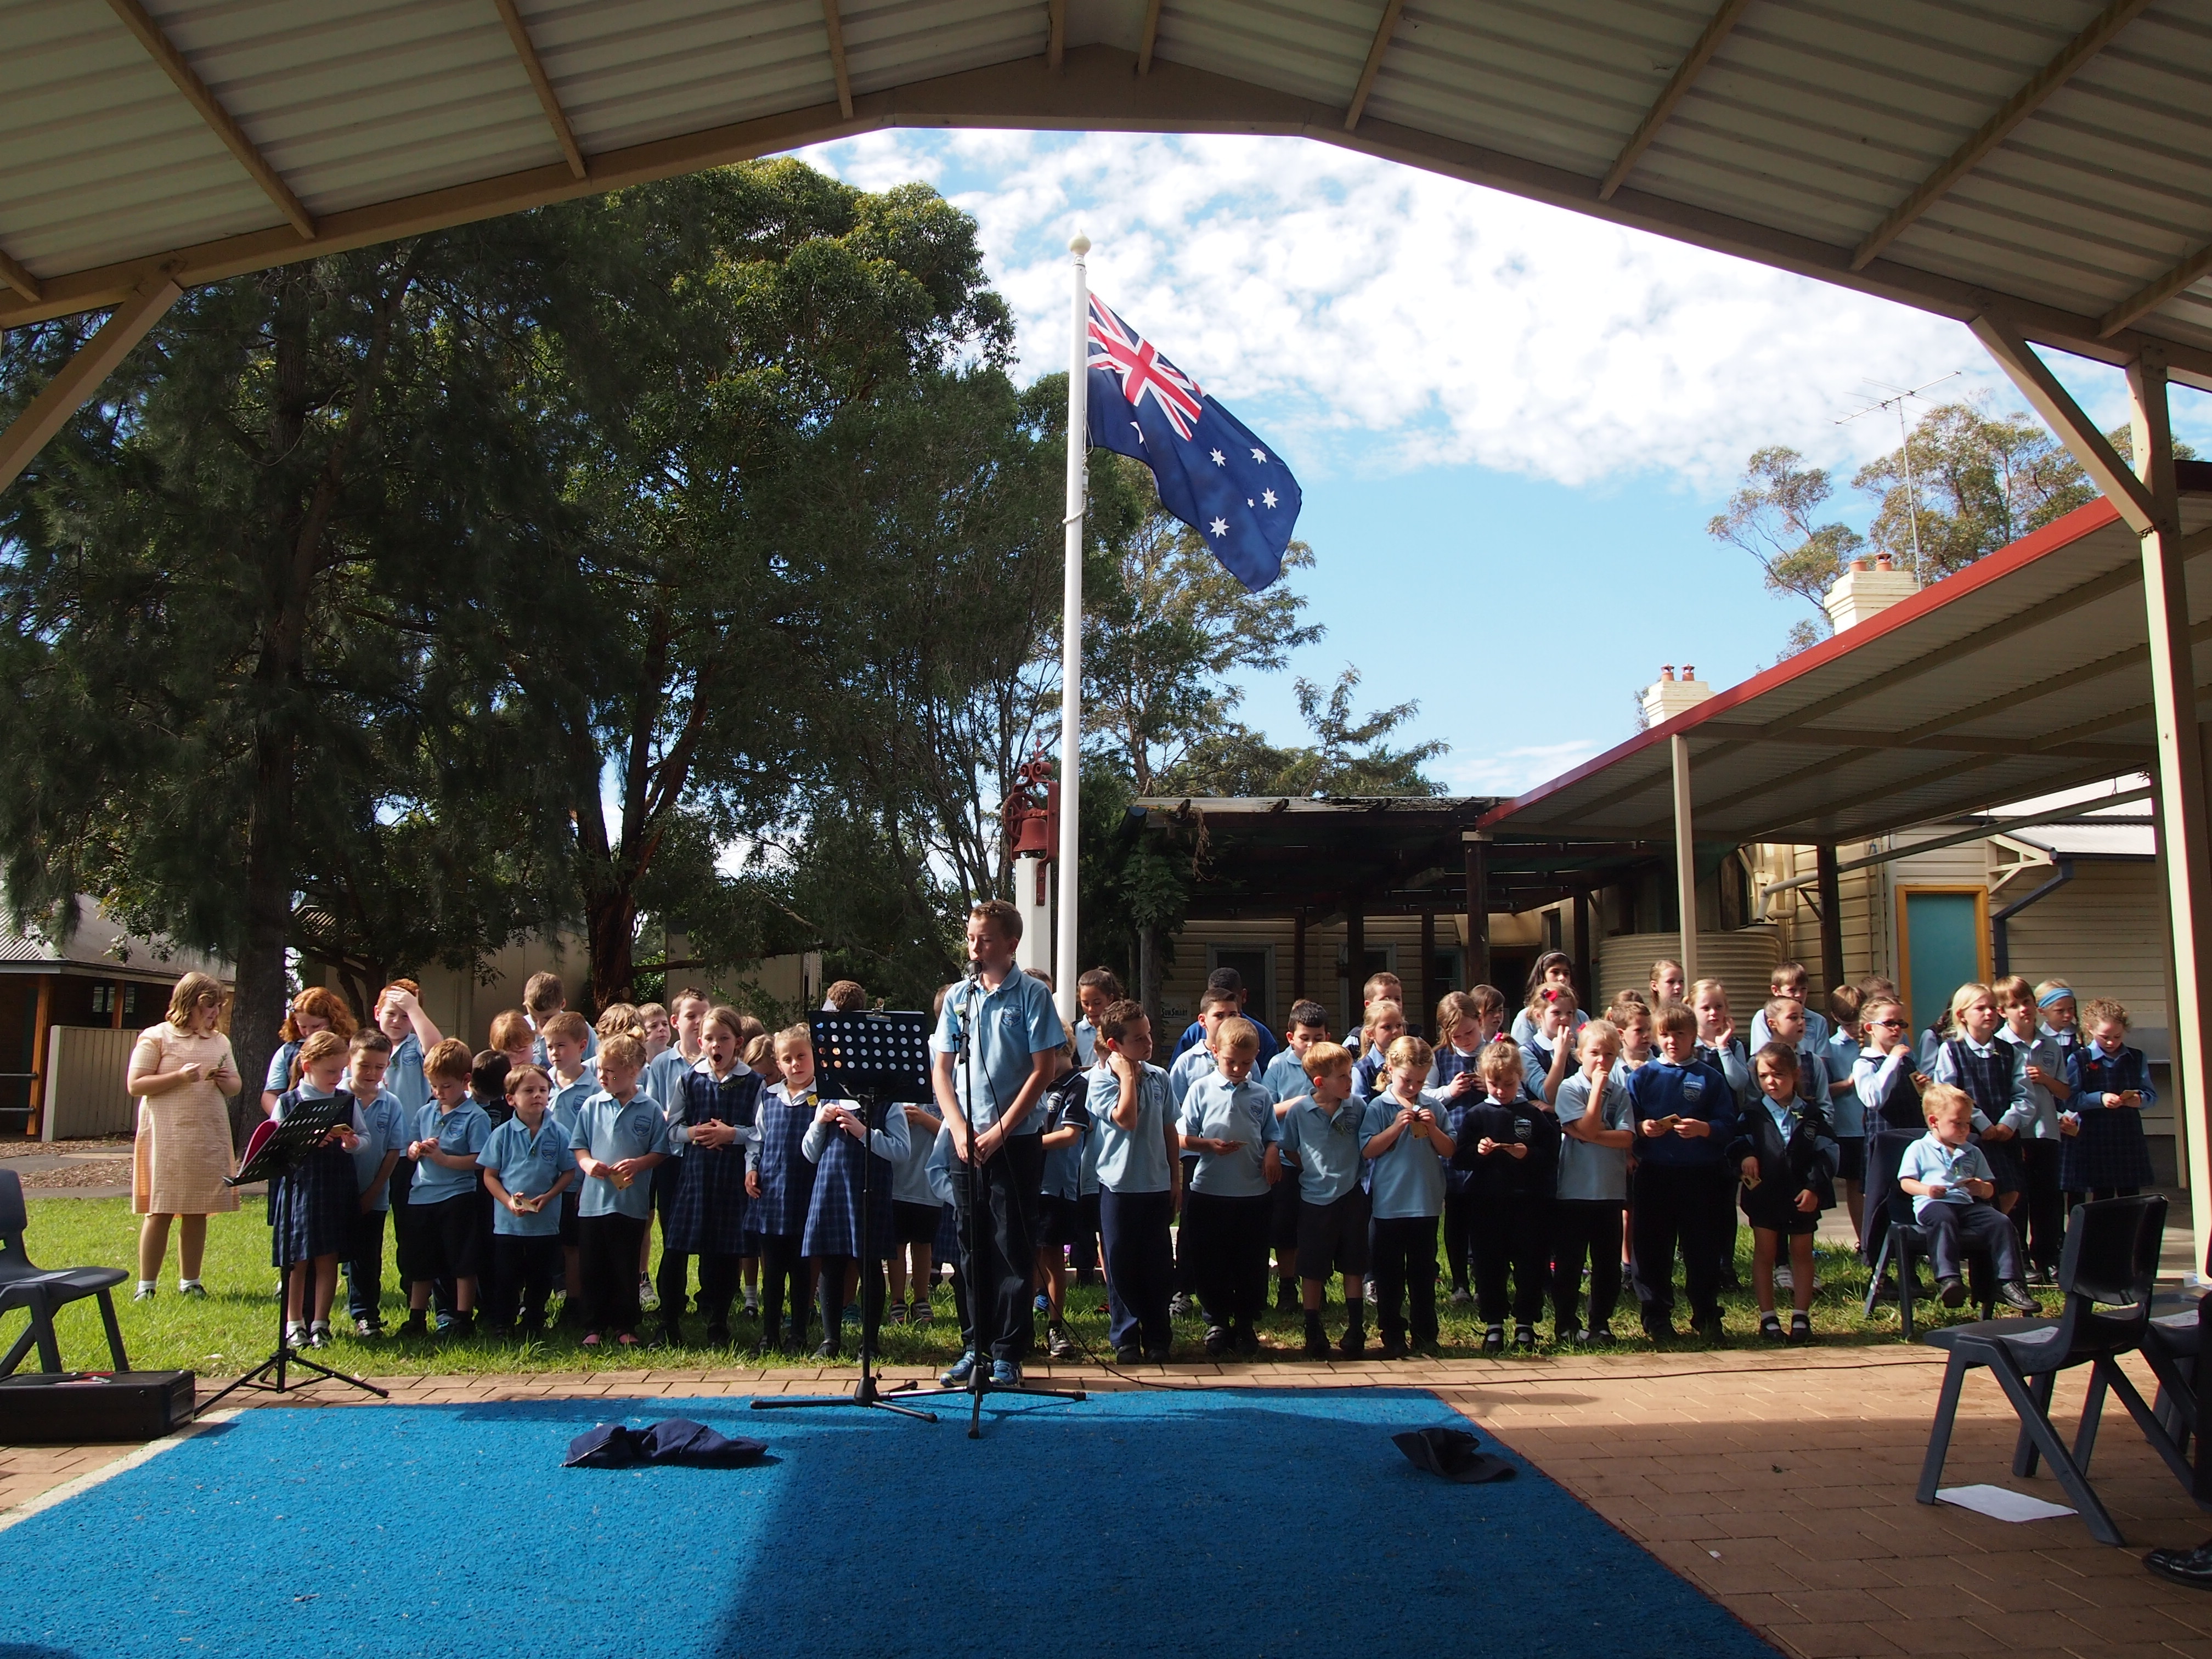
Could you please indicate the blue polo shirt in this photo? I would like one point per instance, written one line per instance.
(384, 1130)
(1189, 1067)
(1285, 1078)
(1194, 1036)
(278, 1079)
(1064, 1108)
(1217, 1109)
(1845, 1110)
(1007, 1028)
(463, 1129)
(1928, 1159)
(611, 1130)
(664, 1081)
(402, 1080)
(569, 1099)
(1587, 1172)
(1327, 1148)
(910, 1173)
(1408, 1181)
(527, 1164)
(1130, 1160)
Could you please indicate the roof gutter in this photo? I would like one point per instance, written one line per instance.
(2000, 947)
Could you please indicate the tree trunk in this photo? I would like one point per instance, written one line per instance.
(610, 931)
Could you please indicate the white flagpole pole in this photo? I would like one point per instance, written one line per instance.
(1071, 634)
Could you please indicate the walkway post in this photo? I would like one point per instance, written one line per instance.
(1685, 864)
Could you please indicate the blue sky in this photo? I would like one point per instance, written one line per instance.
(1511, 422)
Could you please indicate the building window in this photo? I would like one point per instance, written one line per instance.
(1256, 965)
(103, 1000)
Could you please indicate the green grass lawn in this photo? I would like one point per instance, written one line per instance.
(235, 1327)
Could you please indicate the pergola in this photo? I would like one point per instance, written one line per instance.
(2041, 170)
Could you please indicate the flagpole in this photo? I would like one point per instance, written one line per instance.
(1070, 632)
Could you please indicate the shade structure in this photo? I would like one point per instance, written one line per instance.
(2047, 161)
(2025, 673)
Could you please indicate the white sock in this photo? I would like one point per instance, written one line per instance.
(188, 1285)
(147, 1285)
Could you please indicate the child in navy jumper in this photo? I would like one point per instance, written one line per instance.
(1409, 1148)
(1324, 1144)
(1971, 1058)
(1888, 1082)
(1066, 1121)
(1685, 1116)
(2107, 1155)
(1229, 1121)
(780, 1185)
(1510, 1145)
(716, 1104)
(1453, 1086)
(317, 1209)
(2040, 1072)
(1846, 1113)
(1787, 1159)
(849, 1229)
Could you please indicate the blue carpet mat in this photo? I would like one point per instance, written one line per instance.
(1226, 1525)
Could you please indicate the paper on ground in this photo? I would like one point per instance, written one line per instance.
(2001, 1503)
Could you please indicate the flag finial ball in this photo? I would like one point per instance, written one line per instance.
(1079, 244)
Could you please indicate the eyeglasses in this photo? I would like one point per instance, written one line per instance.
(1878, 1023)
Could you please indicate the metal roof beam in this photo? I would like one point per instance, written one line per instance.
(1384, 28)
(2155, 293)
(1807, 828)
(80, 376)
(835, 23)
(20, 279)
(139, 23)
(555, 116)
(1992, 132)
(1055, 45)
(2064, 417)
(1150, 39)
(1676, 89)
(1859, 741)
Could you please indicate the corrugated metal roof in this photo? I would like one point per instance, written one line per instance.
(2024, 674)
(1811, 122)
(98, 943)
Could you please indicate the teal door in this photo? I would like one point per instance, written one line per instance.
(1944, 950)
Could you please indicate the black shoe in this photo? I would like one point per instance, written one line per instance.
(1428, 1347)
(1159, 1356)
(828, 1350)
(1126, 1356)
(1801, 1327)
(1524, 1339)
(1317, 1343)
(1352, 1345)
(1951, 1291)
(1711, 1330)
(1245, 1340)
(1393, 1347)
(1661, 1331)
(1286, 1296)
(1770, 1328)
(1493, 1340)
(2014, 1295)
(718, 1336)
(2189, 1567)
(1217, 1340)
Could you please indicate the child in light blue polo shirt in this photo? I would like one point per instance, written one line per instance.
(1138, 1177)
(1408, 1146)
(382, 1146)
(1229, 1121)
(1323, 1138)
(441, 1198)
(1951, 1192)
(527, 1165)
(619, 1140)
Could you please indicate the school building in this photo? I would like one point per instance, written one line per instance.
(1959, 778)
(70, 1013)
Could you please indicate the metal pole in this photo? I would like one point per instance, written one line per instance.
(1686, 866)
(1070, 632)
(2187, 860)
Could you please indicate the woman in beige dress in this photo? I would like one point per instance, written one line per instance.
(180, 1071)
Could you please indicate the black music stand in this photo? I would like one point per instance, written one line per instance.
(871, 1059)
(979, 1384)
(281, 1152)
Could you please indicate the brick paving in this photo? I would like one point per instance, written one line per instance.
(1780, 1484)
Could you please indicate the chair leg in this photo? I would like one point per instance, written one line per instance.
(1873, 1280)
(2023, 1451)
(1939, 1433)
(22, 1346)
(42, 1321)
(1908, 1276)
(2147, 1420)
(2092, 1416)
(2037, 1427)
(114, 1332)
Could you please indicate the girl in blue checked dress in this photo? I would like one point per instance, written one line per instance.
(317, 1206)
(780, 1183)
(833, 1243)
(2102, 1153)
(718, 1103)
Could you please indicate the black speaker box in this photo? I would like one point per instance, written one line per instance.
(74, 1408)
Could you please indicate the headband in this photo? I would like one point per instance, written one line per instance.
(2057, 993)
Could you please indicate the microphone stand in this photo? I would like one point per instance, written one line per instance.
(979, 1382)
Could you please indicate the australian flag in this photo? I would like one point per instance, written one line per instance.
(1210, 471)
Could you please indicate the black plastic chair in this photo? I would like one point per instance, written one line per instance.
(40, 1291)
(2107, 1275)
(1905, 1246)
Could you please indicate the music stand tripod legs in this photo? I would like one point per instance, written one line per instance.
(284, 1358)
(865, 1392)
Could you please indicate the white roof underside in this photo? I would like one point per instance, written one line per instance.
(1811, 122)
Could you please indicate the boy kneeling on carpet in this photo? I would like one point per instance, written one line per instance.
(1951, 1192)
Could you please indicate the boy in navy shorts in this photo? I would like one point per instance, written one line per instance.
(1323, 1141)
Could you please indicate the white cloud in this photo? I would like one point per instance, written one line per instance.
(1392, 318)
(1514, 771)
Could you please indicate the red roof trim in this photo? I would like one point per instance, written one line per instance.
(2060, 533)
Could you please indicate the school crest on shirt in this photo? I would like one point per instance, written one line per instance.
(1693, 1087)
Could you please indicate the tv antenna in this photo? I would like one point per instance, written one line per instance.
(1897, 399)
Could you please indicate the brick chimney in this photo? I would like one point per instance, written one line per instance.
(1870, 587)
(1667, 696)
